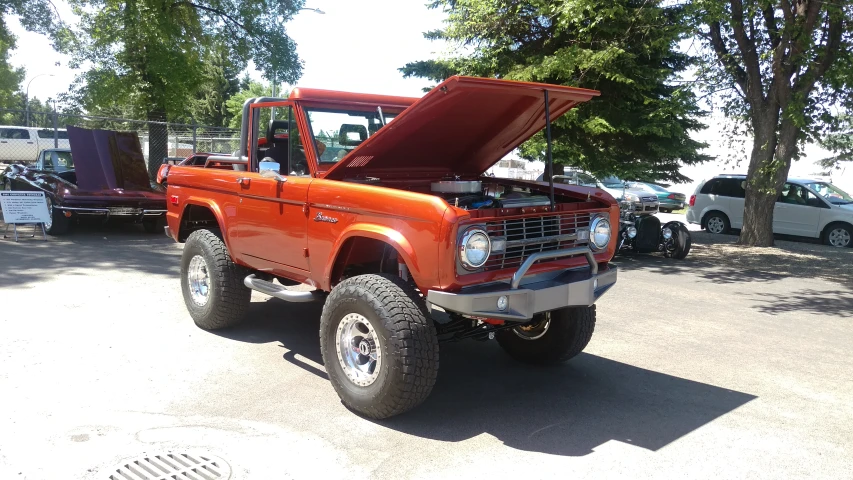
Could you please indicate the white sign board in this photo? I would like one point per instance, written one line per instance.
(24, 207)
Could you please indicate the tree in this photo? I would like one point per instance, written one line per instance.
(234, 105)
(219, 83)
(628, 49)
(783, 69)
(147, 57)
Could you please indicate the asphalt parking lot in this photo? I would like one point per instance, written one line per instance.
(696, 369)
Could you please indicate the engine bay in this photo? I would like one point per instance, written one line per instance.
(486, 195)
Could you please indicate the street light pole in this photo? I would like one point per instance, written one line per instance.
(27, 95)
(275, 78)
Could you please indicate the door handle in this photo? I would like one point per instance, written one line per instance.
(244, 181)
(272, 174)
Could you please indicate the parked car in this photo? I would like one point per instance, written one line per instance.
(668, 200)
(640, 230)
(103, 174)
(23, 144)
(806, 207)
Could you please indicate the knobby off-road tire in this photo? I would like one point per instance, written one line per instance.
(567, 334)
(205, 257)
(406, 366)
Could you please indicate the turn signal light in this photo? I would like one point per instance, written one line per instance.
(162, 173)
(174, 199)
(692, 200)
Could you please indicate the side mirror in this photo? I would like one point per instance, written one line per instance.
(269, 164)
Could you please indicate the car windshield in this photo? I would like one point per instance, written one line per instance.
(612, 182)
(832, 193)
(341, 131)
(60, 161)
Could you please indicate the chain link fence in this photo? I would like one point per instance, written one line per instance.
(24, 135)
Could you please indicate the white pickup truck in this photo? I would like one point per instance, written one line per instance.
(22, 144)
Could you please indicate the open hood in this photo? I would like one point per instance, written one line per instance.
(461, 127)
(106, 160)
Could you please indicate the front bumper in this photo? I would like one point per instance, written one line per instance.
(528, 296)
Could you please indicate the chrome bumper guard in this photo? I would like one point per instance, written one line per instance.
(528, 296)
(112, 212)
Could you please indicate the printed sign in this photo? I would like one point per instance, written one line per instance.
(24, 207)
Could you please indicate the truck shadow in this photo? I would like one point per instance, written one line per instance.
(565, 410)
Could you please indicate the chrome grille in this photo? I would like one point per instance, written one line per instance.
(528, 235)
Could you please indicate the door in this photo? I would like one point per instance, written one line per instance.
(17, 145)
(271, 219)
(797, 211)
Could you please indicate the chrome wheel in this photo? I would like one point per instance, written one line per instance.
(839, 237)
(716, 225)
(534, 331)
(49, 223)
(358, 349)
(198, 280)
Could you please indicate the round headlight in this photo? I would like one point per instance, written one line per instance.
(474, 248)
(666, 232)
(599, 233)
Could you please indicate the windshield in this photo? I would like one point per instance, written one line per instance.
(343, 130)
(830, 192)
(58, 160)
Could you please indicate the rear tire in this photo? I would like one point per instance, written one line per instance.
(567, 333)
(717, 223)
(212, 283)
(665, 210)
(379, 346)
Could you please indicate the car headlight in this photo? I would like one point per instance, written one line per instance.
(474, 249)
(632, 197)
(599, 233)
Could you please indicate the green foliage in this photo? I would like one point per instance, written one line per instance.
(10, 77)
(778, 61)
(638, 128)
(172, 59)
(234, 105)
(219, 83)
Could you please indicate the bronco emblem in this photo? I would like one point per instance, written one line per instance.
(322, 218)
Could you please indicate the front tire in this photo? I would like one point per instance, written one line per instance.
(838, 235)
(681, 242)
(379, 346)
(59, 223)
(552, 337)
(212, 283)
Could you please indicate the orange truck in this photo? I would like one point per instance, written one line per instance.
(378, 206)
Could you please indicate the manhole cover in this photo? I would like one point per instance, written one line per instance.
(177, 466)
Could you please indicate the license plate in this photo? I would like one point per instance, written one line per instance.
(125, 211)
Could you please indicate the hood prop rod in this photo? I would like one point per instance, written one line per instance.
(548, 148)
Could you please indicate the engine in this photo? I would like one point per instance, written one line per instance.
(470, 195)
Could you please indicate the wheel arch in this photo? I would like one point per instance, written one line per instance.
(704, 222)
(357, 240)
(197, 214)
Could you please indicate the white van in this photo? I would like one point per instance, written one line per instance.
(22, 144)
(806, 207)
